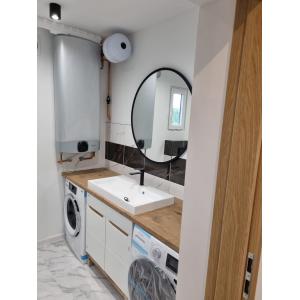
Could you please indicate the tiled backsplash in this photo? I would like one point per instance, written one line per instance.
(131, 157)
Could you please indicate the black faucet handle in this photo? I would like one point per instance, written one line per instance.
(134, 173)
(137, 171)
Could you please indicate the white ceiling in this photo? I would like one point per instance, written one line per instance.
(105, 16)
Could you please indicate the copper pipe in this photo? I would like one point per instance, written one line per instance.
(103, 60)
(93, 154)
(61, 161)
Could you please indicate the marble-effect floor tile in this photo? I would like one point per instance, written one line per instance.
(61, 276)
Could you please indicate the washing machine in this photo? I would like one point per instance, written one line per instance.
(75, 219)
(153, 271)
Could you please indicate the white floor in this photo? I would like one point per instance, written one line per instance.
(62, 277)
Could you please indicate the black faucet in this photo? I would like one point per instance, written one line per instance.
(139, 172)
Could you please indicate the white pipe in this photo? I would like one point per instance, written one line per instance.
(59, 28)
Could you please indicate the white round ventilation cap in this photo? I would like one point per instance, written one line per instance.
(117, 48)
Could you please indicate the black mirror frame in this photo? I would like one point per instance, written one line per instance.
(135, 96)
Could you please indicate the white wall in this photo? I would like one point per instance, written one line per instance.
(209, 90)
(168, 44)
(50, 183)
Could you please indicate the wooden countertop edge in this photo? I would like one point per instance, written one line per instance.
(83, 171)
(161, 238)
(134, 218)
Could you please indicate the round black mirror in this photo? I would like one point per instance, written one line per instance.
(160, 115)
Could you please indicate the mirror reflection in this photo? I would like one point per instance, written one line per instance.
(161, 115)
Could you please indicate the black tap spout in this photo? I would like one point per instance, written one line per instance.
(139, 172)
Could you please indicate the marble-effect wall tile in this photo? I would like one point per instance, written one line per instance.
(133, 158)
(177, 190)
(120, 134)
(177, 172)
(128, 137)
(115, 133)
(159, 183)
(157, 169)
(114, 152)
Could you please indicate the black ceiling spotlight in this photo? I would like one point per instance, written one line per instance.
(55, 11)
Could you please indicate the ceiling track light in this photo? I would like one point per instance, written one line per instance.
(55, 11)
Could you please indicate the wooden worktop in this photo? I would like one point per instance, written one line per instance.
(163, 223)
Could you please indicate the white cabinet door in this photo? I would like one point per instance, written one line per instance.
(95, 234)
(117, 254)
(108, 241)
(117, 270)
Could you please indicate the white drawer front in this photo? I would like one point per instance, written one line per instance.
(110, 213)
(98, 205)
(121, 221)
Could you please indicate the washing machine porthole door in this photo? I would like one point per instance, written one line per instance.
(72, 215)
(147, 281)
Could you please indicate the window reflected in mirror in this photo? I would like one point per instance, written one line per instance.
(177, 108)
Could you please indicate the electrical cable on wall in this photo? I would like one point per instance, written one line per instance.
(108, 98)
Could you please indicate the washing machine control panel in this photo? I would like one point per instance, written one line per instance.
(72, 188)
(156, 253)
(165, 257)
(78, 192)
(172, 263)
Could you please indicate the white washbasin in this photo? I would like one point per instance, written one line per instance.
(129, 195)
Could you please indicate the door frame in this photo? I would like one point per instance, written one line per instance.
(243, 90)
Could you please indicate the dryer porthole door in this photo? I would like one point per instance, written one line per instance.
(71, 215)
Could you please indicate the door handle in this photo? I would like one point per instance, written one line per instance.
(96, 211)
(117, 227)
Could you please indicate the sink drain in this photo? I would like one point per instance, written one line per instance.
(126, 199)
